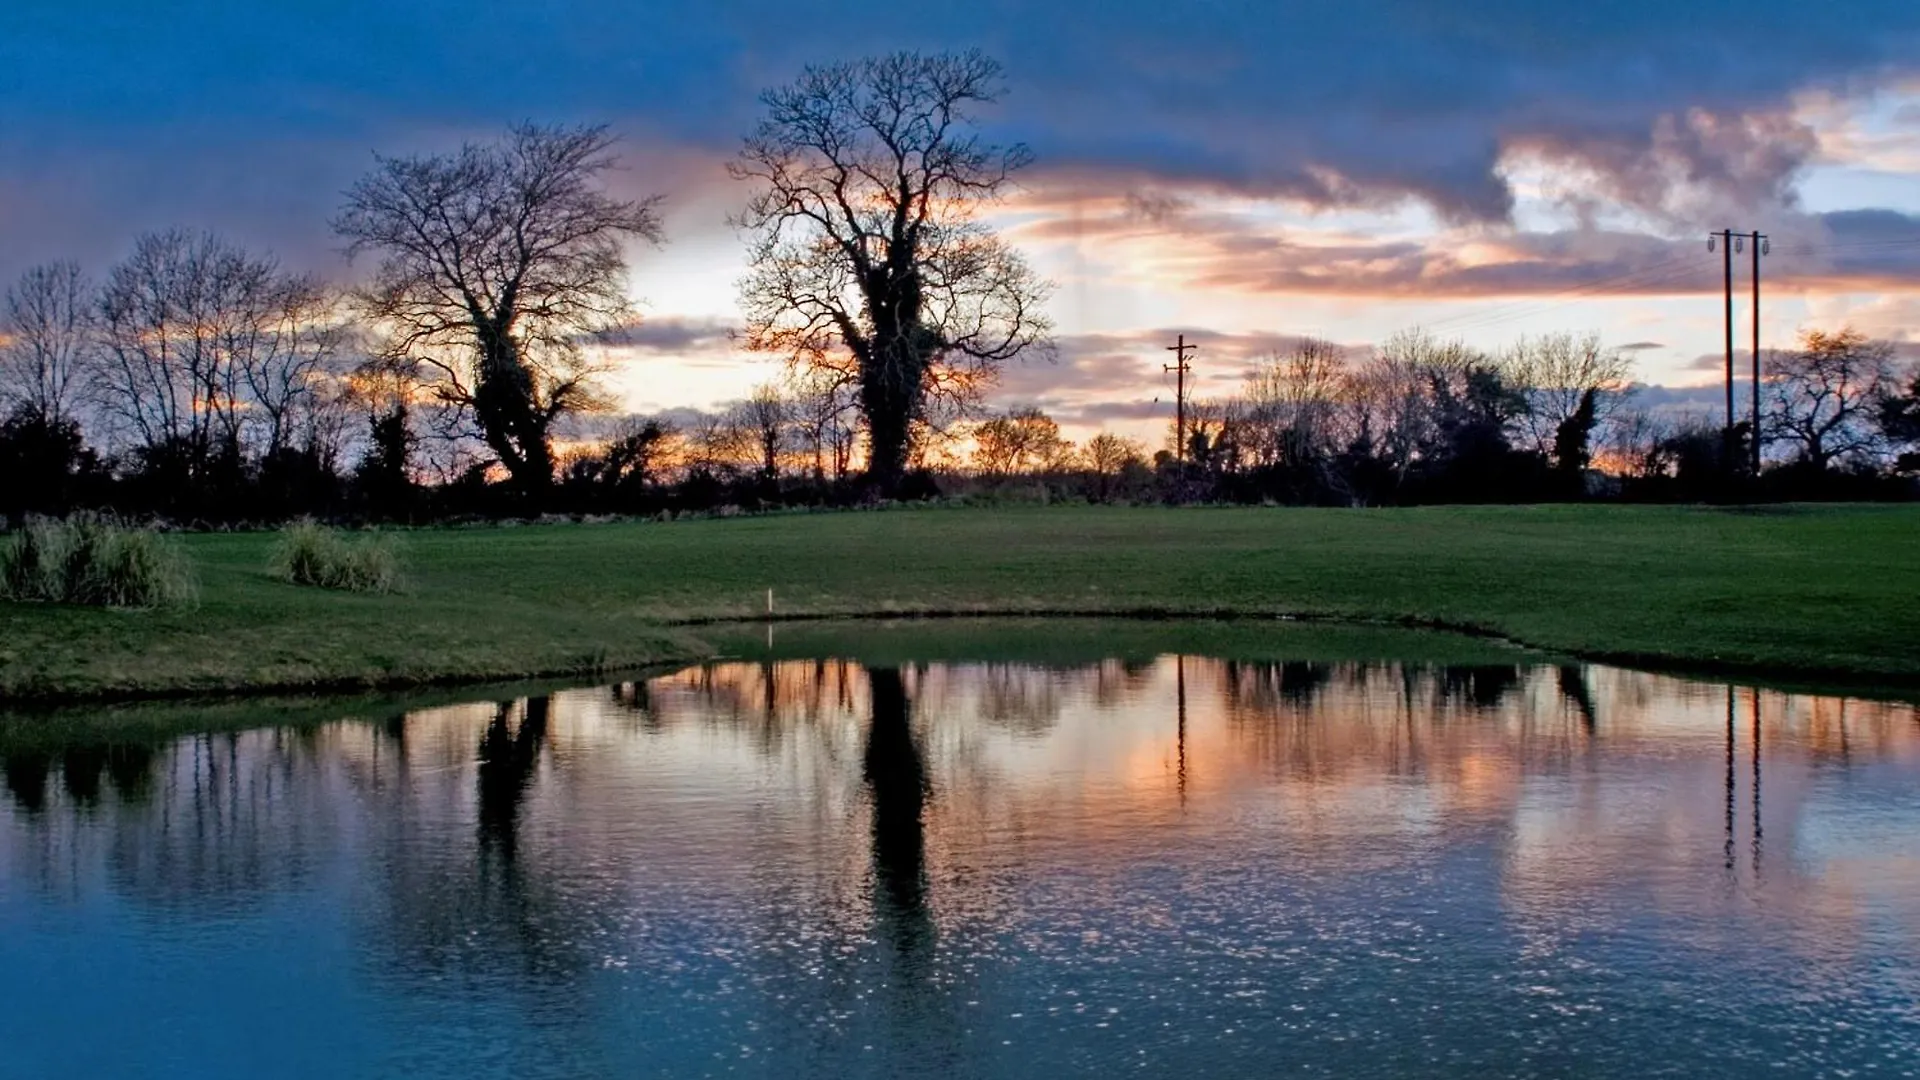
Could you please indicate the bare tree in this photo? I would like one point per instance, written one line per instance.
(764, 421)
(1631, 441)
(1822, 398)
(824, 418)
(496, 263)
(1567, 379)
(1899, 418)
(715, 443)
(290, 360)
(1396, 386)
(182, 320)
(867, 254)
(47, 342)
(1107, 453)
(1217, 433)
(1291, 400)
(1018, 442)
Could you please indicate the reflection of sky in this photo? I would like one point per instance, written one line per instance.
(1329, 866)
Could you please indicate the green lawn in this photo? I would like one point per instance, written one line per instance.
(1782, 593)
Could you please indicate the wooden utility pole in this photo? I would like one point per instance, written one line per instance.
(1760, 247)
(1180, 368)
(1725, 240)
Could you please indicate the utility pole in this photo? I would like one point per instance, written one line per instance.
(1760, 247)
(1726, 241)
(1179, 368)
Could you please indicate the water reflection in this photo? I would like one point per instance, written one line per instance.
(509, 753)
(997, 868)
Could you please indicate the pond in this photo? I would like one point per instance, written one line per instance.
(837, 865)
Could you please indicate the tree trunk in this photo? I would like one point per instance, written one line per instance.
(890, 396)
(886, 448)
(503, 403)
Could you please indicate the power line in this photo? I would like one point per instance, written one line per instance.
(1658, 273)
(1547, 301)
(1486, 319)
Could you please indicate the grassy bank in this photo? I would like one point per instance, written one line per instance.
(1826, 592)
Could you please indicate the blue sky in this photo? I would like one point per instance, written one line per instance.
(1248, 171)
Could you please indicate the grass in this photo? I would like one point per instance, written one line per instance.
(1789, 594)
(92, 561)
(309, 553)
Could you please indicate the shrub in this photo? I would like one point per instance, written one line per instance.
(88, 560)
(313, 554)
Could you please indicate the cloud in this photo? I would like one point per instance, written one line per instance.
(678, 335)
(1685, 167)
(1716, 363)
(1360, 103)
(1206, 241)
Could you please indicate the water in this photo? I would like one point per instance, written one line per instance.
(812, 868)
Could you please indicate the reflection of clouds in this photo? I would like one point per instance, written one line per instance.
(752, 821)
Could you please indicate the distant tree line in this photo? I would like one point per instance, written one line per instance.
(202, 382)
(1423, 420)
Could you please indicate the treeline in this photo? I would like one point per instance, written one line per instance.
(200, 384)
(1557, 417)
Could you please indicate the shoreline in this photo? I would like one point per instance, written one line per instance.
(1811, 679)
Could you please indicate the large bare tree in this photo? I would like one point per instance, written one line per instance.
(1822, 397)
(497, 262)
(47, 342)
(868, 254)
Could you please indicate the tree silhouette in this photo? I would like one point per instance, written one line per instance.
(1823, 396)
(209, 350)
(497, 263)
(47, 353)
(867, 252)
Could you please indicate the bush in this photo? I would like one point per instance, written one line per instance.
(86, 560)
(313, 554)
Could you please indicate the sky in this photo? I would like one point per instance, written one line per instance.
(1243, 173)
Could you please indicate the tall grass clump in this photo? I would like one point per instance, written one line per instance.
(88, 560)
(309, 553)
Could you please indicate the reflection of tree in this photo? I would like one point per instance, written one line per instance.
(1117, 682)
(1573, 687)
(895, 772)
(499, 905)
(128, 767)
(896, 780)
(508, 759)
(26, 775)
(1265, 687)
(1480, 686)
(84, 767)
(1021, 698)
(769, 699)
